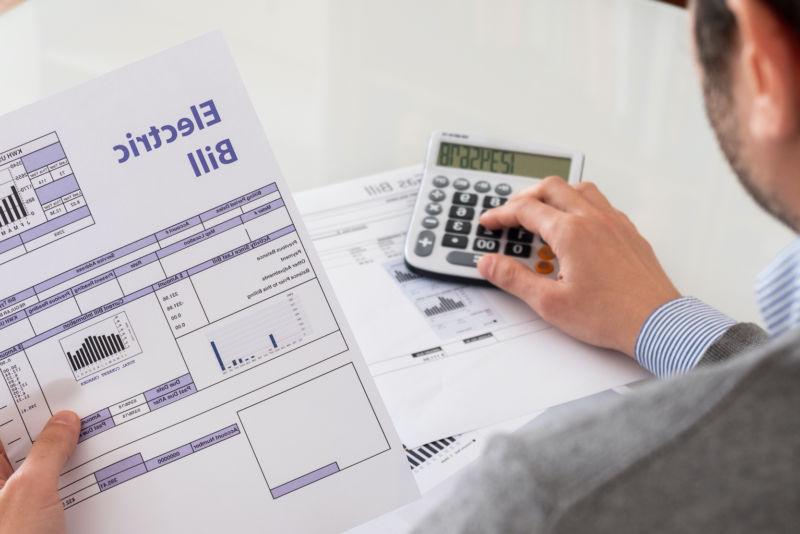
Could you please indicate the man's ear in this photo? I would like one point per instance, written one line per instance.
(766, 70)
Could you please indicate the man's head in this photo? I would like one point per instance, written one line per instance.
(749, 53)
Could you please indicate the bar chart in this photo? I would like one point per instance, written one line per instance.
(450, 309)
(40, 198)
(12, 208)
(95, 348)
(256, 337)
(444, 305)
(404, 275)
(100, 345)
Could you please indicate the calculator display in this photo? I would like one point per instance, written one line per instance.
(478, 158)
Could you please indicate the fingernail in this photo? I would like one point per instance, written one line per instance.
(485, 265)
(66, 418)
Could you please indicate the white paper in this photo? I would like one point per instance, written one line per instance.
(164, 288)
(447, 358)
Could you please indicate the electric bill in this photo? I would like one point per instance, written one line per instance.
(162, 284)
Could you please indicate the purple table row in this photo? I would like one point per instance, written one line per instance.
(158, 397)
(130, 248)
(43, 157)
(133, 466)
(45, 228)
(218, 260)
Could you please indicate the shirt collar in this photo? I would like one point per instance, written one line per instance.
(778, 290)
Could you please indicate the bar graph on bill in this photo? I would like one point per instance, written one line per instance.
(40, 198)
(12, 208)
(100, 345)
(450, 309)
(260, 336)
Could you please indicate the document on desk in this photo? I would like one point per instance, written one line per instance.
(447, 358)
(156, 278)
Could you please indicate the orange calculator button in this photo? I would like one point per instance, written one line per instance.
(544, 267)
(546, 253)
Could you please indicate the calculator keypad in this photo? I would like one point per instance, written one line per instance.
(462, 212)
(433, 209)
(486, 245)
(465, 199)
(437, 195)
(518, 250)
(482, 186)
(485, 232)
(493, 202)
(520, 234)
(468, 240)
(456, 257)
(455, 241)
(430, 222)
(458, 227)
(502, 189)
(441, 181)
(461, 184)
(425, 242)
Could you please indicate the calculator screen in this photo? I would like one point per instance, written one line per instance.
(479, 158)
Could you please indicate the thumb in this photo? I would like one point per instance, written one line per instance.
(52, 448)
(516, 278)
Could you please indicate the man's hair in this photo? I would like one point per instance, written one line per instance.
(716, 35)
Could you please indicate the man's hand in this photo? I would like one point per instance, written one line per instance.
(29, 502)
(610, 280)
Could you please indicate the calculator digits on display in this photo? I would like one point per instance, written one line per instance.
(464, 176)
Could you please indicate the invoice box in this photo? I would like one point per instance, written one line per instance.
(464, 176)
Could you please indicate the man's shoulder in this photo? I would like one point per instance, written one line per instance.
(714, 449)
(711, 449)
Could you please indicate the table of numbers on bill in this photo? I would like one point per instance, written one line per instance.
(186, 318)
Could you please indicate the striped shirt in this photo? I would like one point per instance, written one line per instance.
(676, 335)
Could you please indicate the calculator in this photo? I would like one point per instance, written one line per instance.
(464, 176)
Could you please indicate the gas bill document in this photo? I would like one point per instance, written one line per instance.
(156, 278)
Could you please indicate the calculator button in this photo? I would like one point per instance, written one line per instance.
(425, 241)
(458, 227)
(461, 212)
(546, 253)
(433, 209)
(437, 195)
(502, 189)
(441, 181)
(467, 259)
(485, 232)
(518, 250)
(486, 245)
(462, 184)
(482, 186)
(544, 267)
(454, 241)
(493, 202)
(520, 234)
(430, 222)
(465, 199)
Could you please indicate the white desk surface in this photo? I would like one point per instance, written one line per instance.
(350, 88)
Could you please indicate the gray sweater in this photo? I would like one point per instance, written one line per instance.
(716, 450)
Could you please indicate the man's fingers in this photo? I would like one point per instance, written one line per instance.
(591, 193)
(52, 449)
(5, 466)
(532, 214)
(512, 276)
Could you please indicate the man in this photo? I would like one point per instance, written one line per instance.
(714, 450)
